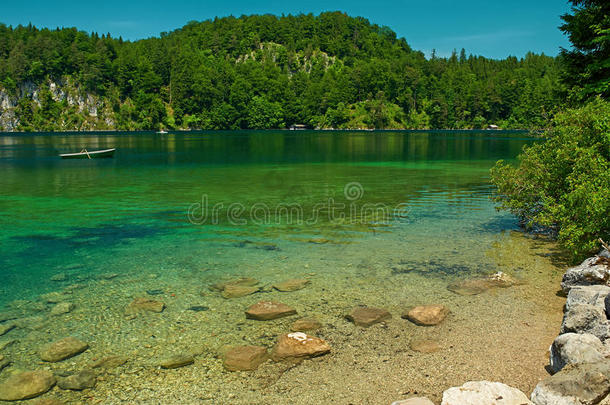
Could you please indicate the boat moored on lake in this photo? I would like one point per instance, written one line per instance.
(85, 154)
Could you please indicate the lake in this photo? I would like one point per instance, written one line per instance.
(384, 219)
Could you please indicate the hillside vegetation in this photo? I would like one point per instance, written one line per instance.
(327, 71)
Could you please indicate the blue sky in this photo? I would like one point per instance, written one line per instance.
(492, 28)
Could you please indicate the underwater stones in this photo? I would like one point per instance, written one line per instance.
(424, 346)
(62, 349)
(244, 358)
(59, 277)
(5, 343)
(479, 285)
(62, 308)
(367, 316)
(242, 281)
(291, 285)
(593, 270)
(414, 401)
(484, 393)
(54, 297)
(79, 381)
(237, 291)
(427, 315)
(179, 360)
(318, 241)
(26, 385)
(298, 346)
(3, 362)
(109, 362)
(305, 324)
(4, 329)
(144, 305)
(574, 348)
(585, 383)
(268, 310)
(198, 308)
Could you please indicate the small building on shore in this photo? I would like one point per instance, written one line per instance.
(493, 127)
(298, 127)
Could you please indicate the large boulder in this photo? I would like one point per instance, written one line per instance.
(29, 384)
(267, 310)
(592, 294)
(484, 393)
(62, 349)
(593, 270)
(586, 318)
(367, 316)
(298, 346)
(578, 384)
(575, 348)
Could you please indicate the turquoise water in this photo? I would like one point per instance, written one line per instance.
(153, 204)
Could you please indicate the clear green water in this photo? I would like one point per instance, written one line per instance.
(130, 214)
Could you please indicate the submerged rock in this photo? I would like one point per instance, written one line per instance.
(4, 329)
(575, 348)
(109, 362)
(305, 324)
(245, 358)
(479, 285)
(427, 315)
(298, 346)
(236, 291)
(484, 393)
(268, 310)
(291, 285)
(62, 308)
(144, 305)
(26, 385)
(62, 349)
(425, 346)
(367, 316)
(585, 383)
(591, 271)
(242, 281)
(60, 277)
(414, 401)
(3, 362)
(79, 381)
(177, 361)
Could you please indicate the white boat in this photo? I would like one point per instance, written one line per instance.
(162, 132)
(85, 154)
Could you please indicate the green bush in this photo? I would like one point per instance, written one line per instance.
(563, 181)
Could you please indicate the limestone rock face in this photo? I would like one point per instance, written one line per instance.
(574, 348)
(245, 358)
(62, 349)
(427, 315)
(484, 393)
(298, 346)
(79, 381)
(592, 294)
(267, 310)
(29, 384)
(367, 316)
(586, 318)
(591, 271)
(291, 285)
(177, 361)
(305, 324)
(144, 305)
(585, 383)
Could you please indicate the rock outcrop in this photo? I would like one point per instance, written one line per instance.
(575, 348)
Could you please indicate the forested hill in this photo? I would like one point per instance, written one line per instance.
(327, 71)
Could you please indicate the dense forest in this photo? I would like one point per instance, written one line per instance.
(326, 71)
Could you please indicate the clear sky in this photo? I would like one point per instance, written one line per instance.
(492, 28)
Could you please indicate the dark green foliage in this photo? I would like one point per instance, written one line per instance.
(563, 182)
(263, 71)
(588, 63)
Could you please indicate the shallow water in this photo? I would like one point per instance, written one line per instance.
(383, 219)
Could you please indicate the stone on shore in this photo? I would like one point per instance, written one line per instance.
(4, 329)
(291, 285)
(62, 308)
(593, 295)
(484, 393)
(427, 315)
(79, 381)
(414, 401)
(424, 346)
(62, 349)
(305, 324)
(298, 346)
(268, 310)
(26, 385)
(575, 348)
(479, 285)
(589, 272)
(236, 291)
(367, 316)
(177, 361)
(245, 358)
(109, 362)
(584, 383)
(586, 318)
(144, 305)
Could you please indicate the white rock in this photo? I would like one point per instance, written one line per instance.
(574, 348)
(484, 393)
